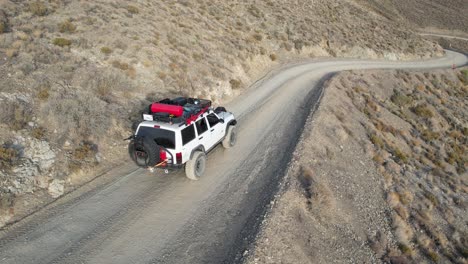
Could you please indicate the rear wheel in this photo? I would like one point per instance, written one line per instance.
(231, 137)
(195, 167)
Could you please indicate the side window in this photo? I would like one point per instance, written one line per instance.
(188, 134)
(202, 126)
(212, 119)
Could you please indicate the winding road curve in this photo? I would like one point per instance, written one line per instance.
(132, 216)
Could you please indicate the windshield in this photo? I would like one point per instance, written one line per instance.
(164, 138)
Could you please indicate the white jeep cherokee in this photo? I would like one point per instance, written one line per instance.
(180, 132)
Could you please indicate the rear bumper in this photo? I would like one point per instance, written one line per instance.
(170, 167)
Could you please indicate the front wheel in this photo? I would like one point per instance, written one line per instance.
(195, 167)
(231, 137)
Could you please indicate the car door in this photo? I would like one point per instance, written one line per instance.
(217, 129)
(202, 133)
(189, 141)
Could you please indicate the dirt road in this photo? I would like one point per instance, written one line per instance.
(132, 216)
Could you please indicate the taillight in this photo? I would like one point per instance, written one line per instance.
(156, 126)
(162, 155)
(179, 157)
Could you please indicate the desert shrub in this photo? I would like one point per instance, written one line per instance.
(43, 93)
(432, 198)
(433, 256)
(235, 84)
(83, 155)
(84, 151)
(3, 27)
(257, 37)
(400, 155)
(120, 65)
(62, 42)
(376, 140)
(423, 111)
(463, 76)
(67, 27)
(106, 50)
(133, 9)
(8, 157)
(39, 132)
(162, 75)
(273, 57)
(38, 8)
(378, 159)
(400, 99)
(429, 135)
(405, 249)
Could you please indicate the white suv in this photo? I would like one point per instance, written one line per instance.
(180, 132)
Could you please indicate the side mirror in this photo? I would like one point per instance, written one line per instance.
(221, 121)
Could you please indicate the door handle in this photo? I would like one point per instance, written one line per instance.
(212, 130)
(200, 137)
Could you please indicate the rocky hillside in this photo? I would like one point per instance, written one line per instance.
(382, 179)
(75, 74)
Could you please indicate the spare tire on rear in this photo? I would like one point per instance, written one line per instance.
(144, 152)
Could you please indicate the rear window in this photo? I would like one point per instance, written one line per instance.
(165, 138)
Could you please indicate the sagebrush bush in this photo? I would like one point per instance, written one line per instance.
(376, 140)
(38, 8)
(62, 42)
(133, 9)
(83, 155)
(120, 65)
(43, 93)
(400, 155)
(106, 50)
(3, 27)
(85, 151)
(8, 157)
(235, 84)
(400, 99)
(67, 27)
(273, 57)
(423, 111)
(39, 133)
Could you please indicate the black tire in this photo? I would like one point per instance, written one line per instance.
(220, 109)
(231, 137)
(195, 167)
(144, 155)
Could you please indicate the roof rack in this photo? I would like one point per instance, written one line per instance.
(178, 110)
